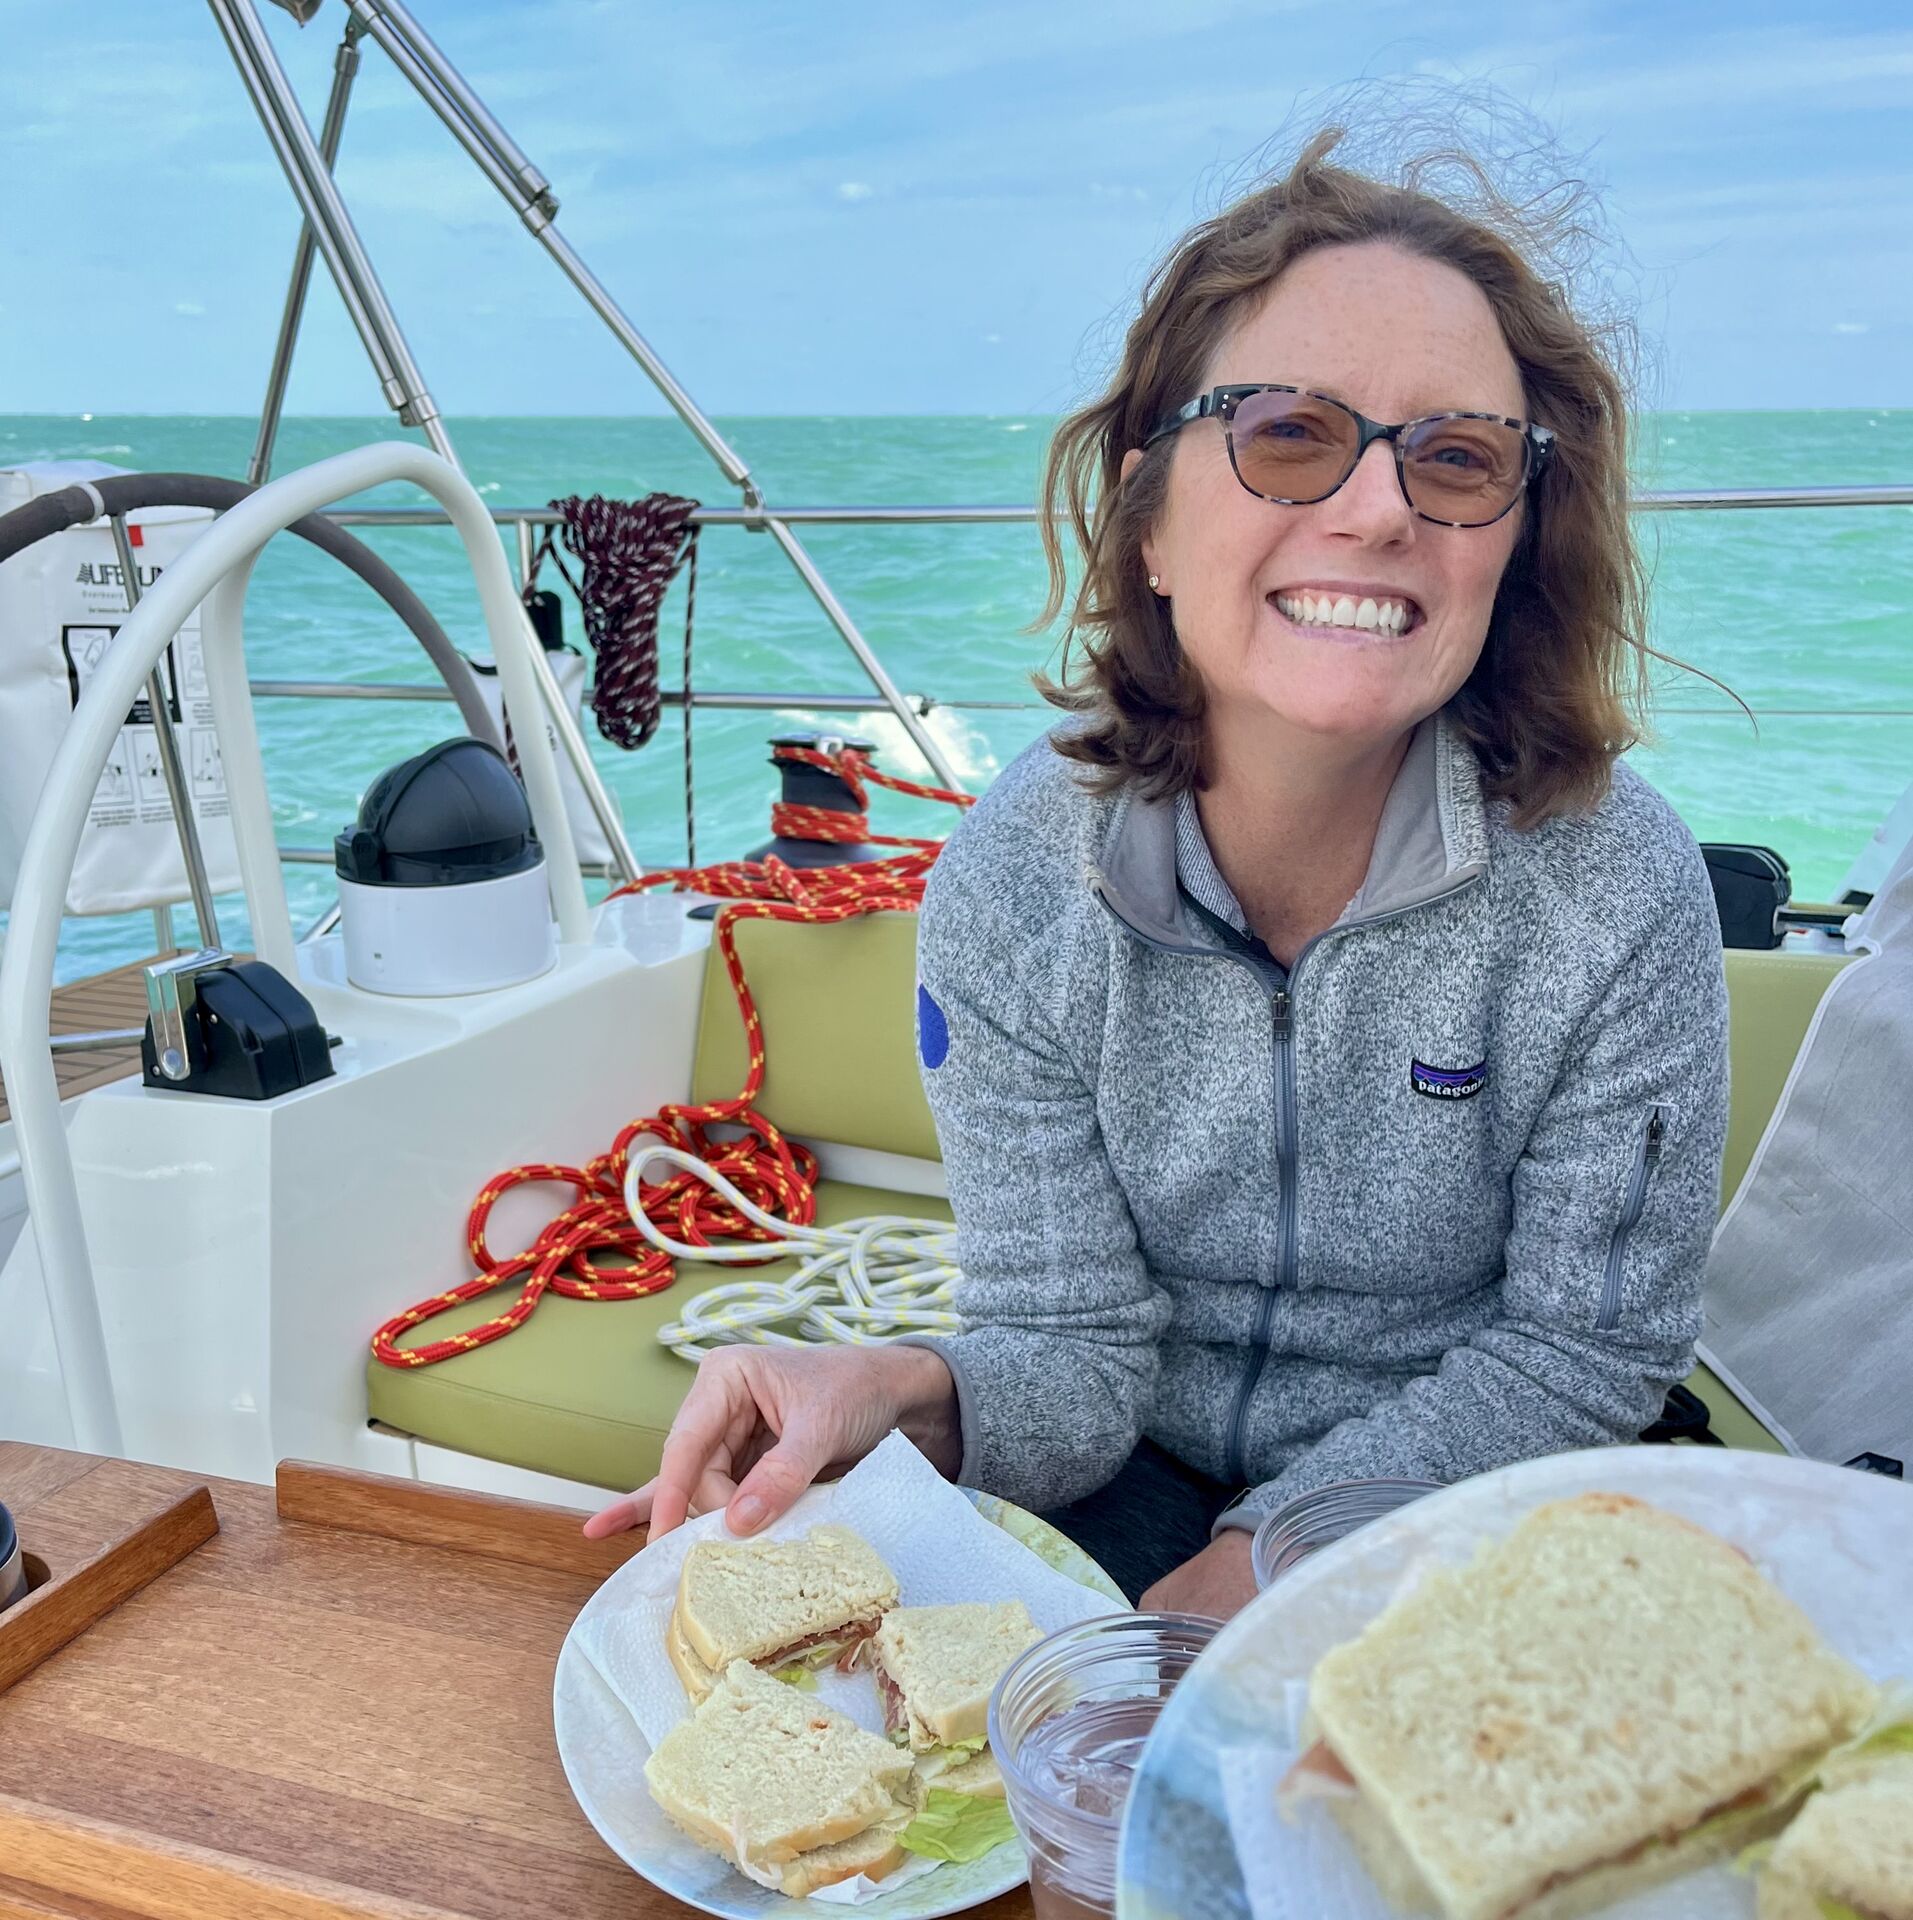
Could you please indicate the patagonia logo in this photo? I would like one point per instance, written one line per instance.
(1448, 1083)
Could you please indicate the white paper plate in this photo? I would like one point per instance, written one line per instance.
(603, 1753)
(1837, 1542)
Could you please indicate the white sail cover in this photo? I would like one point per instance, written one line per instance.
(1810, 1286)
(62, 602)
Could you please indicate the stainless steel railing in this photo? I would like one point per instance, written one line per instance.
(1676, 500)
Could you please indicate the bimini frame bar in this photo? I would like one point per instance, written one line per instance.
(529, 195)
(328, 226)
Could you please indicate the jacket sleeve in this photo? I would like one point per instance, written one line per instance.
(1614, 1204)
(1057, 1368)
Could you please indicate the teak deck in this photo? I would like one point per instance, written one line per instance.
(338, 1704)
(98, 1005)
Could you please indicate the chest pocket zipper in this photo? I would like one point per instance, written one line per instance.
(1646, 1155)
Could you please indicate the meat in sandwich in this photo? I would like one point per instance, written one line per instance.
(783, 1605)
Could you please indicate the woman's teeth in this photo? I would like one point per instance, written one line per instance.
(1331, 610)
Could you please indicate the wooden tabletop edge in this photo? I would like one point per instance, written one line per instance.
(524, 1531)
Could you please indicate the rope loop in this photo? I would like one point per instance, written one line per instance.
(743, 1198)
(629, 552)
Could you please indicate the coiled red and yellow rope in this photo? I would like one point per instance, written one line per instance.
(777, 1174)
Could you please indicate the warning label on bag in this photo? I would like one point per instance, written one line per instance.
(62, 609)
(140, 792)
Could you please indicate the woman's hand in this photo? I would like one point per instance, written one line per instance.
(1219, 1581)
(761, 1423)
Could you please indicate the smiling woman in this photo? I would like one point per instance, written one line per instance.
(1329, 1037)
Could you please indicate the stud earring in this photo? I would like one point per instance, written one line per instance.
(1155, 580)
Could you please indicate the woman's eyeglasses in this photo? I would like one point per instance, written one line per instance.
(1296, 447)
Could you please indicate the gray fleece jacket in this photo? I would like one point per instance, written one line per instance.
(1435, 1199)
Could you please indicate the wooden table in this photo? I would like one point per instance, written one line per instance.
(337, 1704)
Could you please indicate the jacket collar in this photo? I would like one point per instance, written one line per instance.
(1432, 839)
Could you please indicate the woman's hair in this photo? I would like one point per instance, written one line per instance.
(1562, 676)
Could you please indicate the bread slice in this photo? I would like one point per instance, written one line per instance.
(1851, 1845)
(1602, 1700)
(936, 1666)
(978, 1777)
(761, 1599)
(697, 1677)
(873, 1853)
(763, 1775)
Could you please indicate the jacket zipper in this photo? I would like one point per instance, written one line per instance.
(1282, 1015)
(1646, 1155)
(1282, 1012)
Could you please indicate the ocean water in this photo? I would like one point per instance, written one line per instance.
(1806, 614)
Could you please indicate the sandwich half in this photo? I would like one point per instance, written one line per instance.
(1608, 1698)
(1849, 1854)
(936, 1667)
(776, 1603)
(794, 1794)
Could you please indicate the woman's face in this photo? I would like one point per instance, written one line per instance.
(1394, 336)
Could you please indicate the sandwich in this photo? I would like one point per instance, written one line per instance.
(1849, 1854)
(1606, 1699)
(794, 1794)
(935, 1669)
(787, 1606)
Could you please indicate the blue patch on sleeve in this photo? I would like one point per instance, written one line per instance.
(933, 1031)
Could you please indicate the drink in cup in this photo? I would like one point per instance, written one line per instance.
(1304, 1525)
(1068, 1722)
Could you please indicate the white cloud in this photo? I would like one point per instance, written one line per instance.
(190, 308)
(1849, 326)
(855, 190)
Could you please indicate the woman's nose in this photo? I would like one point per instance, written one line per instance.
(1369, 504)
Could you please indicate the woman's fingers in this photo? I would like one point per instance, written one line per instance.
(719, 1404)
(773, 1484)
(621, 1515)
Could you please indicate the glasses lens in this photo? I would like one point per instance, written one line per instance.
(1466, 472)
(1292, 446)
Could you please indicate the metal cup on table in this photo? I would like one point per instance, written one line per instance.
(13, 1570)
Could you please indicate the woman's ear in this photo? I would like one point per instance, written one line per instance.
(1131, 461)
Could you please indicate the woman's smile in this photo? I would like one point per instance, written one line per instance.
(1348, 612)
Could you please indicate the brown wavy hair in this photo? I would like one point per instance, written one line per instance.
(1562, 680)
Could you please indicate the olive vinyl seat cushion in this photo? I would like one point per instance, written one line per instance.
(584, 1391)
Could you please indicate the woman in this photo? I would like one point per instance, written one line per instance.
(1326, 1034)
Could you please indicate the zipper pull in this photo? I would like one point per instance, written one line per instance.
(1279, 1011)
(1654, 1130)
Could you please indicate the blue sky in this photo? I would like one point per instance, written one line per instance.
(816, 207)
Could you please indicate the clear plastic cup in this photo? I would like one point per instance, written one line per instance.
(1067, 1725)
(1304, 1525)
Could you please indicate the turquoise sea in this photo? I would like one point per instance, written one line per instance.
(1806, 614)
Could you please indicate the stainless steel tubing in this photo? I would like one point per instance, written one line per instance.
(345, 69)
(107, 1039)
(529, 180)
(325, 211)
(171, 771)
(861, 648)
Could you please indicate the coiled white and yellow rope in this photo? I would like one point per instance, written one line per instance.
(860, 1284)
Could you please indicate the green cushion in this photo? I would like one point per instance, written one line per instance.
(582, 1390)
(1772, 999)
(838, 1007)
(1727, 1417)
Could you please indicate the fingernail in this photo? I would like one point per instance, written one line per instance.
(748, 1514)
